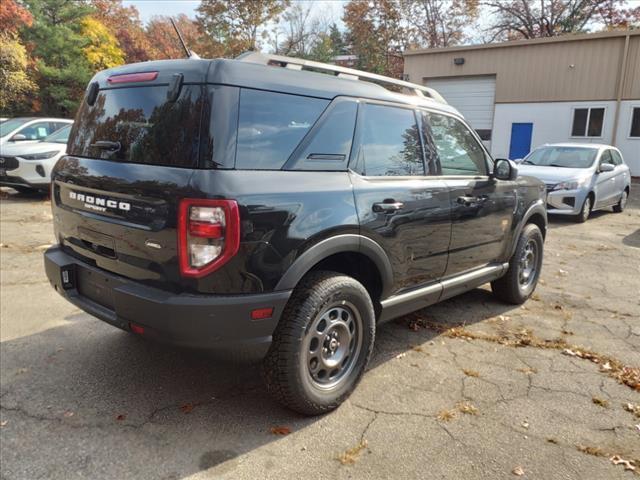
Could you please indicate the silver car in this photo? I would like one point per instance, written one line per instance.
(579, 177)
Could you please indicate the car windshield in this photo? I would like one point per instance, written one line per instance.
(59, 136)
(566, 157)
(10, 125)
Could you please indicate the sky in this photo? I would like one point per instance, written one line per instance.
(149, 8)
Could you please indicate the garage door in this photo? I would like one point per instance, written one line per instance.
(474, 97)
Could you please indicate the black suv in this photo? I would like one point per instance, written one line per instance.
(253, 204)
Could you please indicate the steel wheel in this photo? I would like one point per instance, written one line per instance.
(527, 267)
(332, 344)
(586, 209)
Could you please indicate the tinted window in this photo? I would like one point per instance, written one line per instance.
(567, 157)
(587, 122)
(390, 142)
(330, 142)
(271, 125)
(148, 128)
(458, 150)
(579, 122)
(635, 123)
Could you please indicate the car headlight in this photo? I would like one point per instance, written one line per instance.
(571, 185)
(39, 156)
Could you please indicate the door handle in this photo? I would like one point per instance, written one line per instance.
(387, 206)
(467, 201)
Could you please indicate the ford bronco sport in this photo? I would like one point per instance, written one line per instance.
(254, 204)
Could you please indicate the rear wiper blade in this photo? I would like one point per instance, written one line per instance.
(106, 145)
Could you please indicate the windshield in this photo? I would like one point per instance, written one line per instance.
(59, 136)
(10, 125)
(566, 157)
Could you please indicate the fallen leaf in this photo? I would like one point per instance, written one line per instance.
(350, 456)
(121, 417)
(68, 414)
(280, 430)
(401, 355)
(519, 471)
(600, 402)
(525, 424)
(3, 423)
(630, 407)
(552, 440)
(446, 415)
(187, 408)
(467, 408)
(557, 307)
(628, 464)
(470, 373)
(527, 371)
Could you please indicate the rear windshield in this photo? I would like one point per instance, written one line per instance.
(139, 125)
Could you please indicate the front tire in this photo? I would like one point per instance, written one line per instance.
(586, 210)
(517, 285)
(322, 344)
(619, 207)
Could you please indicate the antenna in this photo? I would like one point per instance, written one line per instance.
(189, 53)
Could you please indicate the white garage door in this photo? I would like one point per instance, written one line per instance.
(474, 97)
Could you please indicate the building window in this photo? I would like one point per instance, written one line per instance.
(635, 122)
(587, 122)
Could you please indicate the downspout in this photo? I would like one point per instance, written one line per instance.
(621, 74)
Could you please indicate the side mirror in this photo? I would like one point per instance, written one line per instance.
(505, 169)
(18, 137)
(606, 167)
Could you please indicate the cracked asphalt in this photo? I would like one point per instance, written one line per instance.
(459, 390)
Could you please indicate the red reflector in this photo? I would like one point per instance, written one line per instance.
(261, 313)
(203, 229)
(136, 328)
(133, 77)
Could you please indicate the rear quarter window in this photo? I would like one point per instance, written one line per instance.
(148, 128)
(271, 125)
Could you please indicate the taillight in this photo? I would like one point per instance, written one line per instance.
(208, 235)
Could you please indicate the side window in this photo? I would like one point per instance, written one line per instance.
(617, 158)
(390, 142)
(458, 150)
(635, 123)
(271, 125)
(606, 157)
(328, 145)
(36, 131)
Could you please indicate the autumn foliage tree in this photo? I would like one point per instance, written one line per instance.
(16, 87)
(102, 50)
(235, 27)
(13, 17)
(164, 41)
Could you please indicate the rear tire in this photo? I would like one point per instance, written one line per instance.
(619, 208)
(517, 285)
(322, 344)
(585, 211)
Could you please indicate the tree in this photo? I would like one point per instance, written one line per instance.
(615, 15)
(377, 35)
(125, 24)
(438, 23)
(165, 42)
(337, 40)
(13, 16)
(103, 50)
(235, 26)
(56, 41)
(16, 88)
(543, 18)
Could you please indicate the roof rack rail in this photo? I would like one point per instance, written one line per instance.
(342, 72)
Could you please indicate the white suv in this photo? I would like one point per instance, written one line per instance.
(24, 129)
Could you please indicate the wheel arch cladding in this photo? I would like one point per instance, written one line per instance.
(353, 255)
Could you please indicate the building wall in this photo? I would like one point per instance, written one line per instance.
(552, 123)
(576, 68)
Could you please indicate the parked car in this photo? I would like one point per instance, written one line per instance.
(26, 166)
(24, 129)
(580, 177)
(238, 204)
(3, 119)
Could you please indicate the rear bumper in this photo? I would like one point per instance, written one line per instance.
(202, 321)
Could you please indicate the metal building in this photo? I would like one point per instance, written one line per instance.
(521, 94)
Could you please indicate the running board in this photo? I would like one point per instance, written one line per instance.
(408, 302)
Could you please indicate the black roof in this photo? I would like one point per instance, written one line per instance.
(263, 77)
